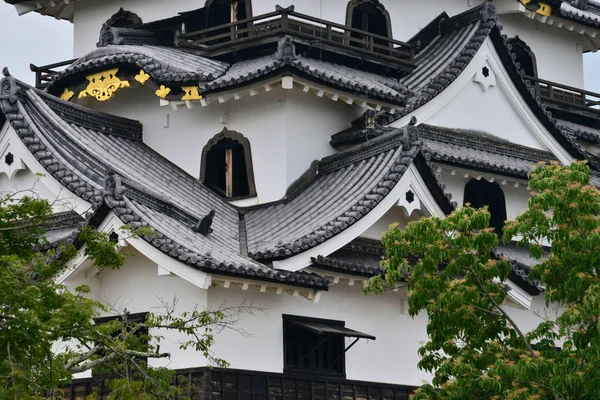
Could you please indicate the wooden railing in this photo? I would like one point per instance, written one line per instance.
(221, 384)
(44, 73)
(564, 95)
(314, 29)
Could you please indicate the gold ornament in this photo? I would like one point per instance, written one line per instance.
(163, 91)
(142, 77)
(67, 94)
(103, 85)
(191, 93)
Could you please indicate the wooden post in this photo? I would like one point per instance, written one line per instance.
(233, 19)
(229, 173)
(284, 21)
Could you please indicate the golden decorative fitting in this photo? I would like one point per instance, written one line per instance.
(142, 77)
(103, 85)
(67, 94)
(191, 93)
(544, 8)
(163, 91)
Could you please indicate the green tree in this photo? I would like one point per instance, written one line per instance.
(47, 333)
(474, 349)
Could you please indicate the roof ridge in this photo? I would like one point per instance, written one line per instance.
(388, 141)
(80, 115)
(484, 12)
(531, 96)
(483, 142)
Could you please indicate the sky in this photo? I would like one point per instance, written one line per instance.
(40, 40)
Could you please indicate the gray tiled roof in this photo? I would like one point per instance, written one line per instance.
(465, 148)
(444, 59)
(588, 15)
(348, 185)
(478, 150)
(163, 64)
(362, 257)
(61, 228)
(522, 263)
(580, 131)
(350, 79)
(438, 64)
(137, 184)
(359, 257)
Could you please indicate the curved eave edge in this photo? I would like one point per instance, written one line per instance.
(10, 105)
(420, 168)
(205, 88)
(171, 248)
(532, 99)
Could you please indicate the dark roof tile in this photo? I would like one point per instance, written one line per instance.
(138, 185)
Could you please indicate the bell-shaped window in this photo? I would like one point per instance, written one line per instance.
(227, 165)
(216, 13)
(524, 56)
(221, 12)
(369, 16)
(480, 193)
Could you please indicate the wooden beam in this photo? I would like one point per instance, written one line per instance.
(229, 173)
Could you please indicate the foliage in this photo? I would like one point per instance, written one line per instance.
(47, 333)
(475, 350)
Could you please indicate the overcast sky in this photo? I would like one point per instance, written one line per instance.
(32, 38)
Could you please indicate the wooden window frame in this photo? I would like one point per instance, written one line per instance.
(248, 4)
(245, 143)
(352, 4)
(300, 372)
(482, 184)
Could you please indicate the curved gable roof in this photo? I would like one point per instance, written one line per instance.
(136, 183)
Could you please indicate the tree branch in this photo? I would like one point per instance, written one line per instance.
(504, 314)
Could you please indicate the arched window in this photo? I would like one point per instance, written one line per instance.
(369, 16)
(524, 56)
(483, 193)
(220, 12)
(227, 165)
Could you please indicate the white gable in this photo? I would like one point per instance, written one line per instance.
(488, 110)
(490, 104)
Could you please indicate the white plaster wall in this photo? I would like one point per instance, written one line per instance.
(516, 198)
(89, 16)
(396, 214)
(489, 111)
(137, 287)
(26, 182)
(287, 130)
(558, 52)
(391, 358)
(309, 123)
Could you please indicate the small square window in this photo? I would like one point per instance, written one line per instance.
(139, 342)
(309, 352)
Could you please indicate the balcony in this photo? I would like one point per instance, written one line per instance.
(563, 96)
(44, 74)
(252, 32)
(220, 384)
